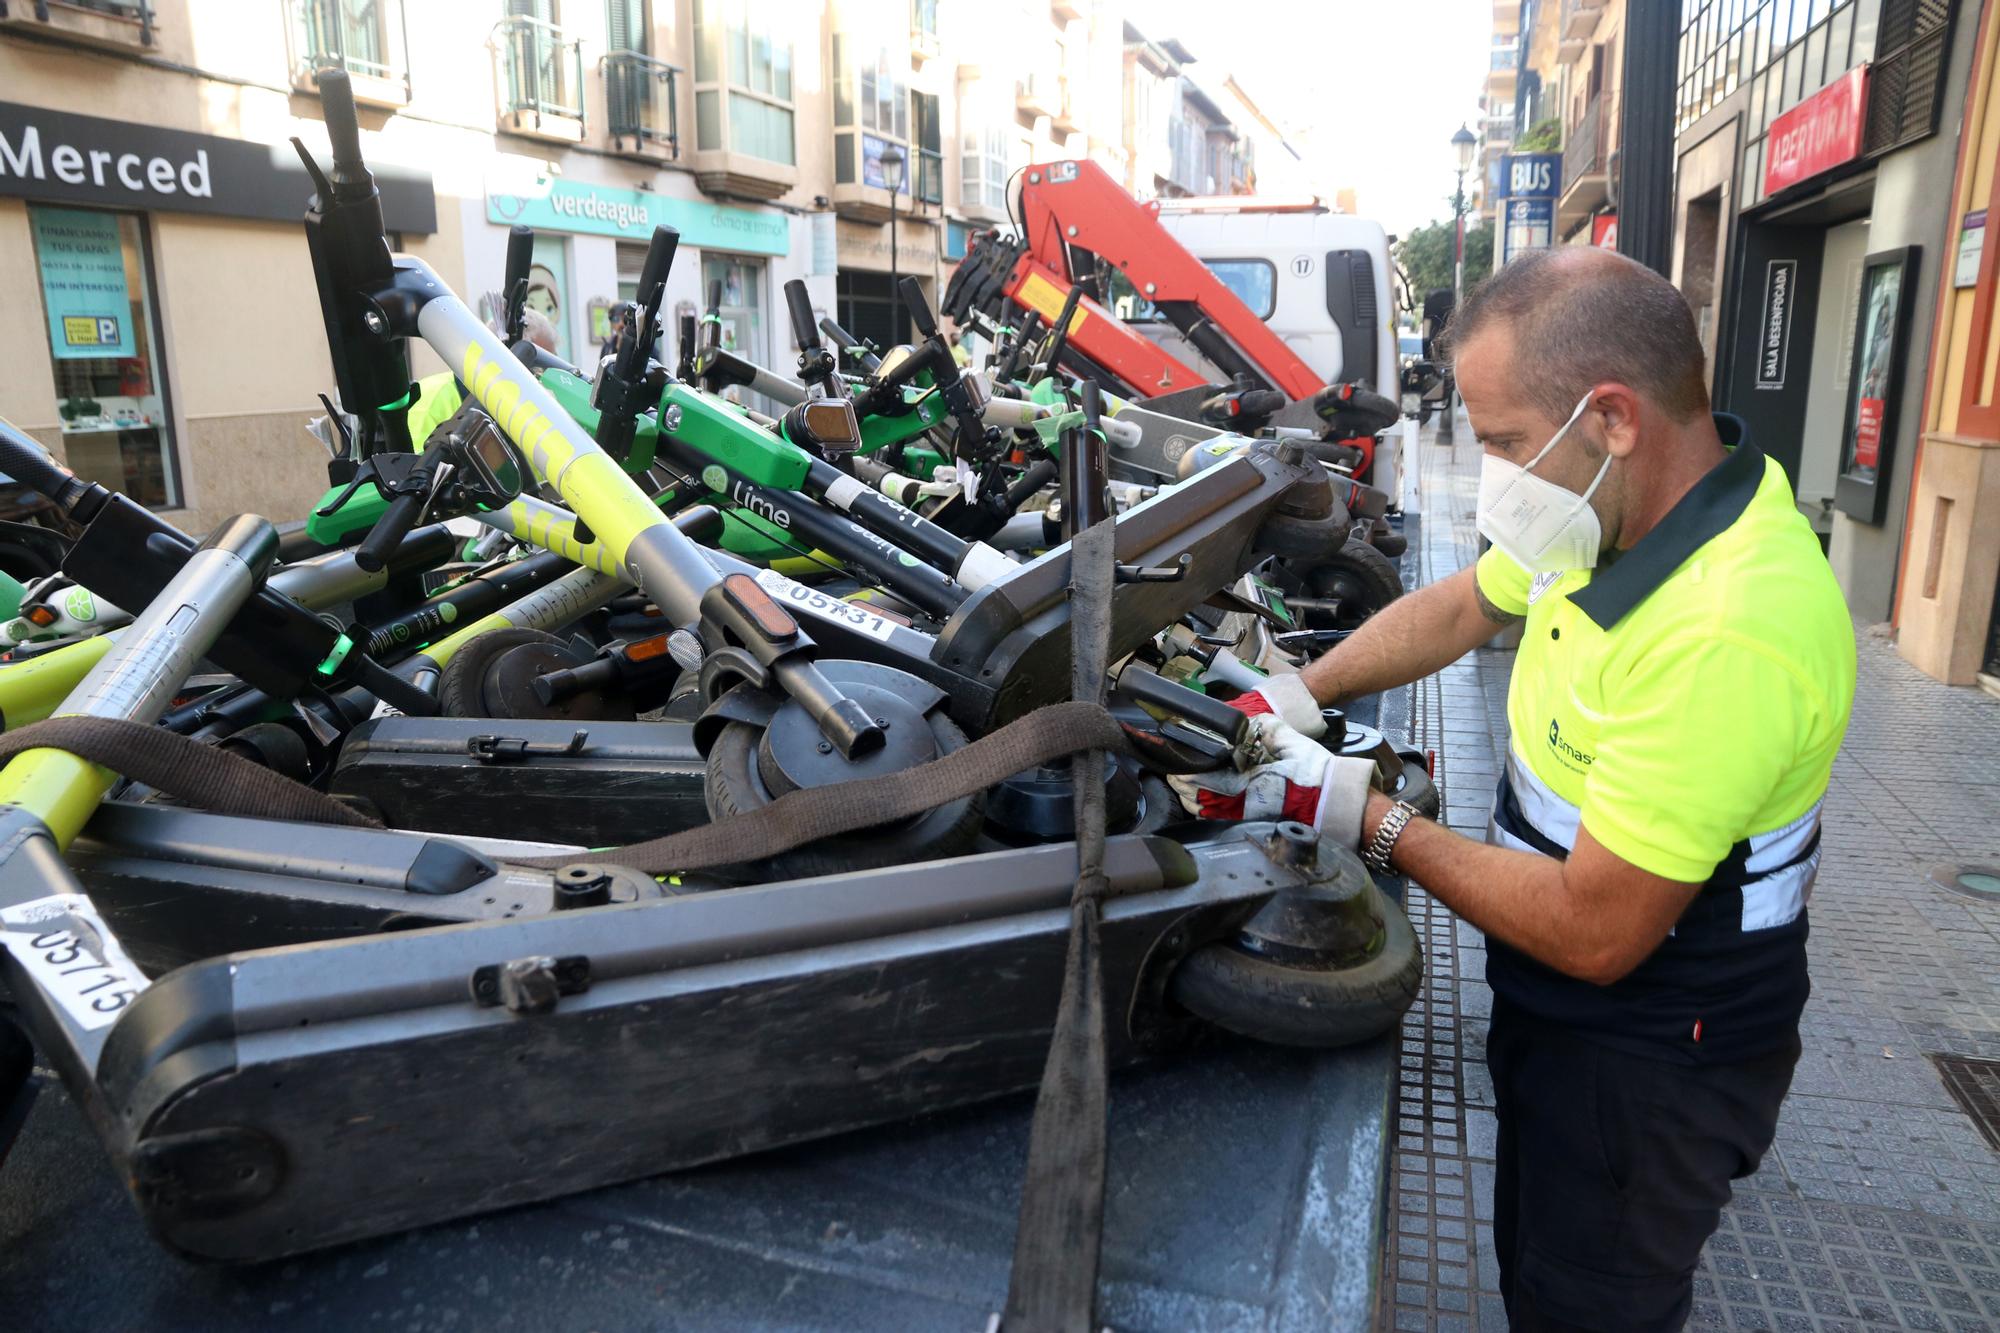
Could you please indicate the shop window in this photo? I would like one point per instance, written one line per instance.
(743, 80)
(735, 285)
(548, 288)
(97, 301)
(871, 110)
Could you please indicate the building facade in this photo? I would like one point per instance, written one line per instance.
(179, 351)
(1947, 606)
(1497, 105)
(1810, 227)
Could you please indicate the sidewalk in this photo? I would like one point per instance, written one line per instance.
(1879, 1205)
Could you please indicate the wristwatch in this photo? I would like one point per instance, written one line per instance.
(1376, 854)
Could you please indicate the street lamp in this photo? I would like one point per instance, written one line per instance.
(1463, 144)
(892, 177)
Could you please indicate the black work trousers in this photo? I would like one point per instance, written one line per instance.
(1613, 1170)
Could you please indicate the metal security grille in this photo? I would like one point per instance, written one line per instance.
(1907, 78)
(1974, 1085)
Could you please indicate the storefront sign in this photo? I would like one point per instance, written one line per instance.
(1775, 339)
(546, 203)
(1530, 226)
(1604, 231)
(62, 158)
(1971, 249)
(83, 283)
(1818, 134)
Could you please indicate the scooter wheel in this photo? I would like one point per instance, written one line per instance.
(1416, 788)
(1291, 1005)
(490, 677)
(735, 787)
(1357, 576)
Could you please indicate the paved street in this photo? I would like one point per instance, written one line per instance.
(1879, 1207)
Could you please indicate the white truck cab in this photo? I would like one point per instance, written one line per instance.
(1321, 280)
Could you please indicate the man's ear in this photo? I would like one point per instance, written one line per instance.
(1617, 409)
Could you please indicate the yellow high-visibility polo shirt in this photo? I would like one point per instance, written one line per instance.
(1684, 702)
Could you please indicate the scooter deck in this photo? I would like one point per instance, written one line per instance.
(269, 1102)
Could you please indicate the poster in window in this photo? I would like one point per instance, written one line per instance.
(1874, 382)
(83, 283)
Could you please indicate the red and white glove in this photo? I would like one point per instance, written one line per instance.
(1302, 780)
(1288, 698)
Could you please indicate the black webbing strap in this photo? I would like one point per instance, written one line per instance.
(1058, 1243)
(232, 785)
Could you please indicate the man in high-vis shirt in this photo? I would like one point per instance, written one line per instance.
(1683, 682)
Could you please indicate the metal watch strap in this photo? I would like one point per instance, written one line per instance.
(1376, 854)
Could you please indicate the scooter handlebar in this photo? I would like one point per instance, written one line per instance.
(653, 276)
(520, 260)
(382, 540)
(351, 178)
(799, 301)
(919, 308)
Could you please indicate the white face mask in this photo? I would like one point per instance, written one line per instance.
(1542, 527)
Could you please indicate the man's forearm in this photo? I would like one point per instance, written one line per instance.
(1408, 639)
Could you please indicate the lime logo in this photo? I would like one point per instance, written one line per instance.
(905, 558)
(447, 613)
(715, 479)
(80, 604)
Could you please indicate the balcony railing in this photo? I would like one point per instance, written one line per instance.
(1507, 59)
(367, 38)
(1585, 153)
(930, 176)
(84, 20)
(639, 95)
(541, 72)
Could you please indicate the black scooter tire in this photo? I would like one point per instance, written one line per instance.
(1417, 789)
(462, 683)
(1284, 1005)
(735, 787)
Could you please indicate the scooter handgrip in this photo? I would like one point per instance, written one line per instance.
(1093, 406)
(799, 301)
(1122, 434)
(382, 540)
(919, 308)
(520, 259)
(1012, 413)
(1190, 705)
(659, 263)
(343, 130)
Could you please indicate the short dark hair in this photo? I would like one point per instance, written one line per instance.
(1580, 316)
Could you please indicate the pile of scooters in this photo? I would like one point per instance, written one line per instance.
(625, 769)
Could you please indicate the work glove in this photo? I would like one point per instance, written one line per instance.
(1300, 779)
(1287, 698)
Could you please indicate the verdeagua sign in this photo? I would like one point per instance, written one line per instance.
(57, 157)
(518, 192)
(1818, 134)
